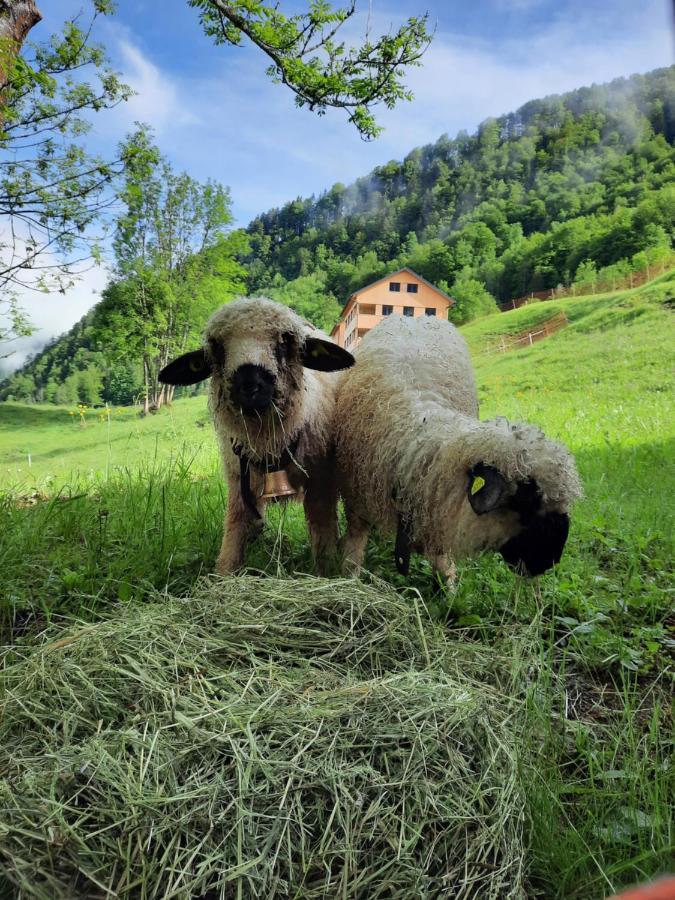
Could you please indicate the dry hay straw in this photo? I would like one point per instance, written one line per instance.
(262, 738)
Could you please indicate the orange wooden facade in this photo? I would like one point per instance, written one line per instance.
(403, 293)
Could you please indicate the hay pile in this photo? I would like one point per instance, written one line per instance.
(264, 738)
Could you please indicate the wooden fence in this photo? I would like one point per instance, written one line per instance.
(633, 280)
(527, 338)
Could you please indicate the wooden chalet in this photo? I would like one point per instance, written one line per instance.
(403, 293)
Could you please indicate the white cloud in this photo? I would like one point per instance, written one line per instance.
(157, 99)
(270, 152)
(53, 314)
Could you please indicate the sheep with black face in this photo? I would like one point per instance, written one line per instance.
(415, 460)
(272, 398)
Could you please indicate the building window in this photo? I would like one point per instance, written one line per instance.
(430, 311)
(395, 286)
(367, 309)
(411, 288)
(363, 331)
(387, 310)
(408, 310)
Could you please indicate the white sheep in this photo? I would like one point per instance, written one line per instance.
(413, 458)
(272, 399)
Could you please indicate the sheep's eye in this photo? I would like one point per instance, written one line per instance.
(217, 353)
(284, 348)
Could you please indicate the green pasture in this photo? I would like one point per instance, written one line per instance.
(113, 509)
(44, 447)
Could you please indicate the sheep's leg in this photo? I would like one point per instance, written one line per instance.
(445, 566)
(240, 523)
(320, 503)
(355, 544)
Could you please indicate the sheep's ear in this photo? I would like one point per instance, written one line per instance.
(187, 369)
(487, 488)
(325, 356)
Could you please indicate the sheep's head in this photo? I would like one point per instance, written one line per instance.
(528, 486)
(255, 351)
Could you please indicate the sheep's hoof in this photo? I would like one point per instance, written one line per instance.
(446, 575)
(351, 569)
(444, 585)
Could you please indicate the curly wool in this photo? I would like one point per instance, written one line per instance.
(250, 329)
(408, 435)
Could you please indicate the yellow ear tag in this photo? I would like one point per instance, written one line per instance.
(478, 484)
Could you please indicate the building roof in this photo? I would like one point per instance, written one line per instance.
(398, 272)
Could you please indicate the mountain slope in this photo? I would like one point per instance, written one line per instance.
(592, 153)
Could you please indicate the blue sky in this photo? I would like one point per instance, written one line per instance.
(215, 113)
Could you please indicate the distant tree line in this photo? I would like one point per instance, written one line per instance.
(175, 261)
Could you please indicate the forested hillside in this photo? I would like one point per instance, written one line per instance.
(520, 205)
(573, 189)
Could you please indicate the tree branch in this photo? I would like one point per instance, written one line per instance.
(354, 79)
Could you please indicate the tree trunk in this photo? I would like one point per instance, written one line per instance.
(17, 17)
(146, 386)
(159, 396)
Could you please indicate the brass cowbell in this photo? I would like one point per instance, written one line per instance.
(277, 485)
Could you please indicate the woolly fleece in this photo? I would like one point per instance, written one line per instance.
(257, 331)
(250, 331)
(408, 436)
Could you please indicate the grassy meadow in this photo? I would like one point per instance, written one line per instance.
(113, 508)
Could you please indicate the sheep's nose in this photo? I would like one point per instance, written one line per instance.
(252, 388)
(539, 546)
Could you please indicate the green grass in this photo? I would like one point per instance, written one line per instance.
(135, 505)
(64, 446)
